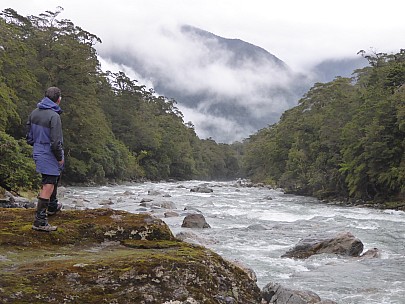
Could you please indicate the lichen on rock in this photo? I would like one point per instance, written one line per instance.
(111, 256)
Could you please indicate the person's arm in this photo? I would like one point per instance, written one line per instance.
(57, 138)
(28, 136)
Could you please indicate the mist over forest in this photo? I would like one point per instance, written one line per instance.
(227, 88)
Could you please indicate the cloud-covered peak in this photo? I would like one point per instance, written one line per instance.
(227, 88)
(239, 51)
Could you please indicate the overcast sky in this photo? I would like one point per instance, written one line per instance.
(298, 32)
(301, 33)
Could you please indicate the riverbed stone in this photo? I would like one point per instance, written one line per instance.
(158, 204)
(278, 294)
(202, 189)
(344, 243)
(195, 221)
(371, 254)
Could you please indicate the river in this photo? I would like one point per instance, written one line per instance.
(257, 225)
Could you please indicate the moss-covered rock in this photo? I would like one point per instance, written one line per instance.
(110, 256)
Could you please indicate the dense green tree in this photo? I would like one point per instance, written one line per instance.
(373, 140)
(344, 139)
(17, 81)
(154, 130)
(17, 170)
(42, 51)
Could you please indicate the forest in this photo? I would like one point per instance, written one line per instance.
(344, 139)
(114, 128)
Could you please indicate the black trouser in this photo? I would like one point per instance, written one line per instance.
(54, 180)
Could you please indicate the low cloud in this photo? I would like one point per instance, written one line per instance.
(207, 124)
(227, 94)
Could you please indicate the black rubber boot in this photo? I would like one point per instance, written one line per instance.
(54, 207)
(41, 219)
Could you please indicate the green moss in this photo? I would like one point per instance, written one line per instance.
(107, 256)
(81, 227)
(145, 244)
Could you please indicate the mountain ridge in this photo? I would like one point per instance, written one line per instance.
(227, 88)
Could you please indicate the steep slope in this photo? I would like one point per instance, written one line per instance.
(227, 88)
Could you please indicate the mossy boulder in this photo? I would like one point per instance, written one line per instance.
(110, 256)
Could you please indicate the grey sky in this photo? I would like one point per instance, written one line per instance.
(298, 32)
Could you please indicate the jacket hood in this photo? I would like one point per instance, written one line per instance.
(46, 103)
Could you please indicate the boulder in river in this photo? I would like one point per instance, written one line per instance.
(159, 204)
(343, 244)
(202, 189)
(276, 293)
(195, 221)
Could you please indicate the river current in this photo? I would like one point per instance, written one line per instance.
(256, 225)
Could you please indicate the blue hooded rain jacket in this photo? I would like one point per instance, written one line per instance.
(45, 135)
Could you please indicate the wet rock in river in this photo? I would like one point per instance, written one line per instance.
(201, 190)
(195, 221)
(158, 204)
(276, 293)
(371, 253)
(343, 244)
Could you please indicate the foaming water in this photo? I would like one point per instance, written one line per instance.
(257, 225)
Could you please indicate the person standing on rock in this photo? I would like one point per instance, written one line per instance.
(44, 133)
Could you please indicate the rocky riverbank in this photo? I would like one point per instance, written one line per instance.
(109, 256)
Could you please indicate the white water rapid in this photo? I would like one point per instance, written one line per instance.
(257, 225)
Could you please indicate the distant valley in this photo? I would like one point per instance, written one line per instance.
(229, 88)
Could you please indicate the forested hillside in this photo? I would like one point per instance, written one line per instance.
(114, 128)
(222, 81)
(346, 138)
